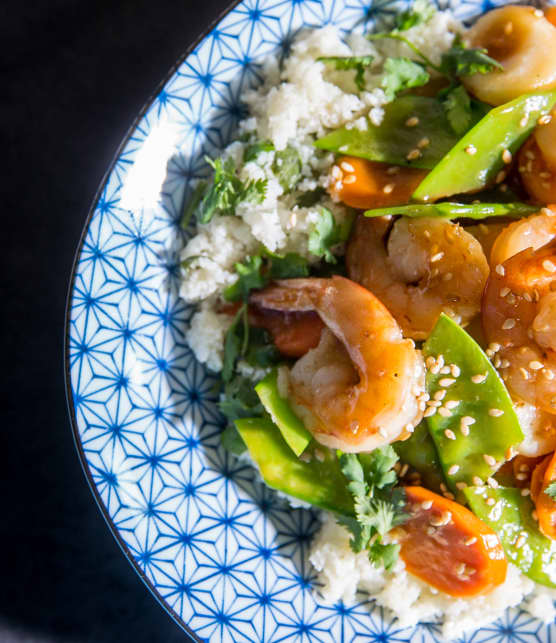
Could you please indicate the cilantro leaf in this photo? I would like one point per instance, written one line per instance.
(235, 342)
(227, 191)
(460, 61)
(402, 73)
(357, 63)
(310, 198)
(378, 505)
(551, 490)
(232, 441)
(262, 351)
(287, 168)
(288, 266)
(420, 12)
(457, 106)
(327, 233)
(240, 399)
(251, 152)
(192, 203)
(249, 277)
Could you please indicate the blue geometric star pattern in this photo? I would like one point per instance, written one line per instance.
(227, 556)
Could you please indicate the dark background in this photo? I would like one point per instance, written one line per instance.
(74, 75)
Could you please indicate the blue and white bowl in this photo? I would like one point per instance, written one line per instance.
(220, 551)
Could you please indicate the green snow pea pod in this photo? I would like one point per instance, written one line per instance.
(394, 139)
(318, 481)
(291, 427)
(511, 518)
(477, 159)
(476, 424)
(420, 453)
(448, 210)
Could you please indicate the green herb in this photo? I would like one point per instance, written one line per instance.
(457, 105)
(261, 351)
(287, 168)
(357, 63)
(192, 203)
(460, 61)
(227, 191)
(255, 149)
(240, 399)
(378, 505)
(235, 342)
(421, 11)
(232, 441)
(257, 271)
(310, 198)
(551, 490)
(402, 73)
(327, 233)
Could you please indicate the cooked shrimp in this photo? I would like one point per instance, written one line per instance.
(537, 161)
(534, 232)
(361, 386)
(486, 234)
(423, 267)
(539, 429)
(524, 42)
(519, 314)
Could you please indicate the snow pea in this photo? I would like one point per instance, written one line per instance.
(420, 453)
(395, 139)
(291, 427)
(472, 438)
(511, 518)
(477, 159)
(447, 210)
(316, 479)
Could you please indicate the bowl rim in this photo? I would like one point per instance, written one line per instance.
(67, 315)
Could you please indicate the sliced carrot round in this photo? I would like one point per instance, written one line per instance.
(537, 479)
(448, 547)
(545, 505)
(366, 184)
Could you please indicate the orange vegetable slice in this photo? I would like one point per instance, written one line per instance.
(545, 505)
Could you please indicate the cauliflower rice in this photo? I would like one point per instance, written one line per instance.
(293, 108)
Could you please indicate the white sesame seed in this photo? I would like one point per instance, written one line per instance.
(495, 413)
(440, 395)
(500, 176)
(430, 411)
(507, 156)
(526, 492)
(445, 370)
(412, 121)
(548, 374)
(388, 188)
(521, 476)
(413, 154)
(447, 276)
(404, 470)
(446, 381)
(453, 469)
(544, 119)
(435, 403)
(437, 257)
(479, 378)
(489, 460)
(394, 169)
(461, 485)
(423, 142)
(468, 420)
(522, 538)
(477, 481)
(470, 541)
(508, 324)
(505, 363)
(497, 361)
(524, 373)
(440, 360)
(338, 186)
(505, 291)
(523, 122)
(535, 365)
(349, 179)
(500, 270)
(336, 173)
(347, 167)
(495, 346)
(455, 370)
(490, 502)
(492, 483)
(444, 412)
(450, 434)
(471, 149)
(460, 569)
(464, 430)
(426, 504)
(451, 404)
(548, 266)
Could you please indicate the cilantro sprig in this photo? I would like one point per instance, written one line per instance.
(356, 63)
(551, 490)
(379, 505)
(420, 12)
(327, 233)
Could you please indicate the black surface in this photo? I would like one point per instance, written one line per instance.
(74, 76)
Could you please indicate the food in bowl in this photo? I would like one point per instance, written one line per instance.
(372, 261)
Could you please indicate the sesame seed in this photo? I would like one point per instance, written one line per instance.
(492, 483)
(413, 154)
(527, 297)
(490, 502)
(335, 172)
(437, 257)
(468, 420)
(479, 378)
(347, 167)
(430, 411)
(440, 395)
(508, 28)
(489, 460)
(404, 470)
(409, 427)
(508, 324)
(495, 413)
(535, 365)
(447, 276)
(471, 149)
(444, 412)
(500, 176)
(505, 291)
(430, 361)
(426, 504)
(497, 361)
(446, 381)
(440, 360)
(524, 373)
(435, 403)
(507, 156)
(520, 541)
(526, 492)
(494, 346)
(464, 429)
(524, 468)
(499, 269)
(388, 188)
(423, 142)
(461, 485)
(547, 374)
(338, 186)
(470, 541)
(445, 370)
(450, 434)
(393, 170)
(521, 476)
(412, 121)
(351, 178)
(477, 481)
(544, 119)
(451, 404)
(453, 469)
(548, 266)
(431, 531)
(455, 370)
(460, 569)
